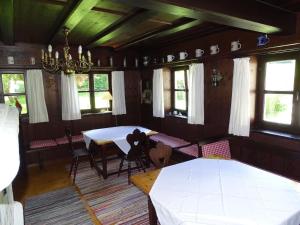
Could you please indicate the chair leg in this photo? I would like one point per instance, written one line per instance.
(142, 164)
(138, 165)
(75, 169)
(120, 167)
(129, 171)
(72, 165)
(92, 160)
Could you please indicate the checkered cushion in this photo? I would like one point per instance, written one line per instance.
(42, 144)
(190, 150)
(219, 148)
(168, 140)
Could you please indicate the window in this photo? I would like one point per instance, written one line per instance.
(12, 88)
(180, 91)
(94, 92)
(280, 95)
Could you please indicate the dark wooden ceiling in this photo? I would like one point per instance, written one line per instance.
(125, 23)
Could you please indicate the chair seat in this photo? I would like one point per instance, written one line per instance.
(214, 157)
(42, 144)
(80, 152)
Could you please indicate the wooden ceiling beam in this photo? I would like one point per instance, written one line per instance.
(7, 21)
(100, 9)
(177, 26)
(73, 13)
(124, 24)
(247, 14)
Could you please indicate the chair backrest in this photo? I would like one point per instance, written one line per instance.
(137, 141)
(160, 155)
(217, 149)
(69, 136)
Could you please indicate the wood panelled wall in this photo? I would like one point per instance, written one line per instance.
(217, 99)
(52, 83)
(217, 108)
(277, 154)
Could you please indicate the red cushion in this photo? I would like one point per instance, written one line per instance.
(42, 144)
(190, 150)
(77, 138)
(220, 148)
(168, 140)
(62, 140)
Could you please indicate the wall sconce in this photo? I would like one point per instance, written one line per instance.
(216, 77)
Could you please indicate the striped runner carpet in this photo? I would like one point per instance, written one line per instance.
(112, 200)
(60, 207)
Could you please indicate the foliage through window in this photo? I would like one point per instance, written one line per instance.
(180, 91)
(12, 89)
(279, 87)
(280, 93)
(94, 92)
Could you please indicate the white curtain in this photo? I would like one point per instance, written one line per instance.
(70, 99)
(118, 93)
(239, 123)
(196, 94)
(35, 95)
(158, 93)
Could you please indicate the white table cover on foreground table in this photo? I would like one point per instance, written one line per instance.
(224, 192)
(9, 144)
(116, 134)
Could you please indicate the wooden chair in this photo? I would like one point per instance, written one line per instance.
(217, 150)
(77, 154)
(137, 141)
(160, 155)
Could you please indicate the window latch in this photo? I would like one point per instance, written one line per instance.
(297, 95)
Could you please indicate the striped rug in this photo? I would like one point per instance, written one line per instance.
(112, 200)
(61, 207)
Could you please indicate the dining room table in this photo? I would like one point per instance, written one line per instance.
(219, 192)
(101, 139)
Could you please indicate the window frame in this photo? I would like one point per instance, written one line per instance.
(294, 127)
(173, 89)
(92, 92)
(2, 95)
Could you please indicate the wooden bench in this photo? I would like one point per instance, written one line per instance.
(178, 144)
(215, 146)
(38, 146)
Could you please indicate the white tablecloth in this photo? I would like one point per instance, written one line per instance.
(116, 134)
(224, 192)
(9, 144)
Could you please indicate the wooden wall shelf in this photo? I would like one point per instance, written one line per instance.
(175, 63)
(39, 66)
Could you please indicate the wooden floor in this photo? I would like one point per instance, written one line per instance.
(52, 177)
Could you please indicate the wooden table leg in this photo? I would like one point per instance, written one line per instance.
(93, 148)
(152, 213)
(103, 160)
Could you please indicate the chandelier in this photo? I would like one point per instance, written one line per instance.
(66, 64)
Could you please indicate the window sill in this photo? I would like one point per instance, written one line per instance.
(277, 134)
(84, 114)
(177, 116)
